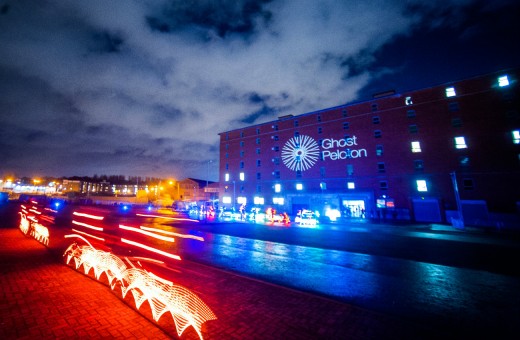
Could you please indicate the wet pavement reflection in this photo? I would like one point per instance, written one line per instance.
(399, 287)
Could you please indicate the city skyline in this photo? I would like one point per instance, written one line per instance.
(144, 89)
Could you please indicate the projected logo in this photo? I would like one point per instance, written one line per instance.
(300, 153)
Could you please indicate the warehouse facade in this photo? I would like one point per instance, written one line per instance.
(429, 155)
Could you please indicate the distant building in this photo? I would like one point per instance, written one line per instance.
(421, 155)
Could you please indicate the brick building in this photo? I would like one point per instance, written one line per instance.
(423, 155)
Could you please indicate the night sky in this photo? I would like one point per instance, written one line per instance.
(142, 88)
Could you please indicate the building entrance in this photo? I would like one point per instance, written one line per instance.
(353, 208)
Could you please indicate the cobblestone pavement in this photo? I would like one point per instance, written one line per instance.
(43, 298)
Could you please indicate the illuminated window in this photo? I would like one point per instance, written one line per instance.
(460, 143)
(241, 200)
(421, 185)
(278, 200)
(258, 200)
(323, 186)
(408, 101)
(242, 176)
(351, 185)
(226, 199)
(299, 186)
(516, 136)
(226, 177)
(416, 146)
(277, 187)
(379, 150)
(450, 92)
(503, 81)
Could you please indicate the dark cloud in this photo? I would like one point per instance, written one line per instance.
(221, 17)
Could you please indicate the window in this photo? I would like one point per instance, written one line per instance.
(320, 130)
(456, 122)
(450, 92)
(278, 200)
(276, 148)
(296, 134)
(453, 106)
(346, 126)
(421, 185)
(241, 165)
(318, 118)
(413, 128)
(276, 160)
(350, 169)
(226, 155)
(503, 81)
(257, 131)
(383, 185)
(274, 137)
(258, 141)
(258, 175)
(226, 200)
(377, 133)
(258, 163)
(464, 161)
(379, 150)
(467, 184)
(322, 171)
(276, 174)
(376, 120)
(460, 143)
(381, 167)
(242, 176)
(410, 113)
(277, 188)
(323, 186)
(351, 185)
(408, 101)
(298, 174)
(242, 153)
(242, 144)
(226, 177)
(227, 147)
(296, 123)
(227, 166)
(299, 186)
(416, 146)
(418, 165)
(241, 133)
(516, 136)
(344, 113)
(258, 200)
(374, 107)
(257, 151)
(275, 127)
(258, 188)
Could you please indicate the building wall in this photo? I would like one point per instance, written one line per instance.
(482, 112)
